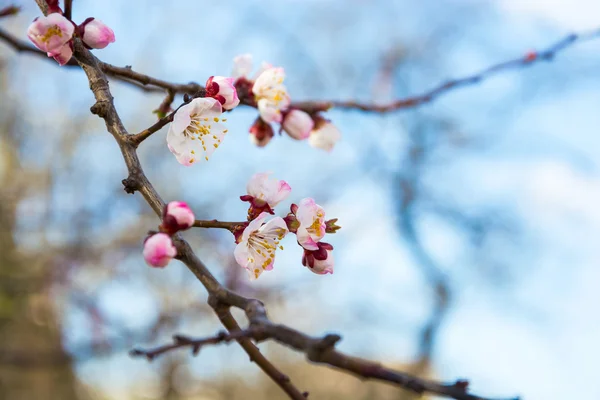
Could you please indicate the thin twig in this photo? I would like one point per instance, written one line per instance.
(231, 226)
(148, 83)
(180, 341)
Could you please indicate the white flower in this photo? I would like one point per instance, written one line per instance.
(270, 94)
(256, 250)
(196, 129)
(270, 190)
(324, 136)
(311, 217)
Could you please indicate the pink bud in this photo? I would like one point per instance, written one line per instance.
(50, 33)
(95, 34)
(64, 55)
(177, 216)
(223, 90)
(159, 250)
(261, 133)
(298, 124)
(319, 261)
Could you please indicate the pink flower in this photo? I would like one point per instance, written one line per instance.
(222, 89)
(270, 94)
(311, 217)
(50, 33)
(298, 124)
(64, 55)
(196, 129)
(177, 216)
(324, 136)
(264, 193)
(159, 250)
(96, 34)
(256, 250)
(261, 133)
(320, 261)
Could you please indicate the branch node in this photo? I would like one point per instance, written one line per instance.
(100, 108)
(131, 184)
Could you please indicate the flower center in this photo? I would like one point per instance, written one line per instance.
(52, 31)
(265, 246)
(199, 128)
(316, 227)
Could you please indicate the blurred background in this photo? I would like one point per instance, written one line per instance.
(468, 246)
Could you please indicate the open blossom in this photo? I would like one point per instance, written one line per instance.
(270, 190)
(64, 55)
(324, 136)
(270, 94)
(177, 216)
(50, 33)
(312, 227)
(95, 34)
(159, 250)
(256, 250)
(298, 124)
(320, 261)
(264, 193)
(196, 129)
(261, 133)
(222, 89)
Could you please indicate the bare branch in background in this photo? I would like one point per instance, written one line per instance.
(148, 83)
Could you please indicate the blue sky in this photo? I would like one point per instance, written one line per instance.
(532, 153)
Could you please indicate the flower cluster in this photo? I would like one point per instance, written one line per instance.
(158, 246)
(267, 92)
(258, 241)
(54, 34)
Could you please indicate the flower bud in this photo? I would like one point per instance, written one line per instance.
(177, 216)
(222, 89)
(261, 133)
(159, 250)
(319, 261)
(298, 124)
(324, 135)
(95, 34)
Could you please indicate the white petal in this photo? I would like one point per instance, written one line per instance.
(275, 229)
(241, 254)
(254, 225)
(325, 137)
(242, 65)
(207, 107)
(181, 119)
(269, 111)
(256, 184)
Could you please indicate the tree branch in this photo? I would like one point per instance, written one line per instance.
(148, 83)
(318, 350)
